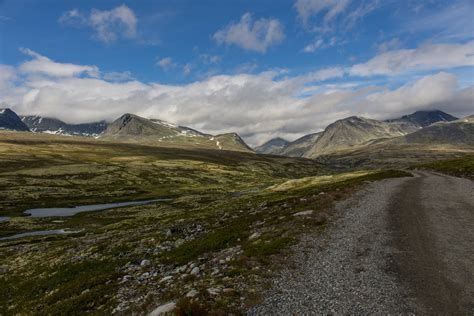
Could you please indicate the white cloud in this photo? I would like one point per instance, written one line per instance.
(325, 74)
(314, 46)
(257, 106)
(187, 69)
(451, 22)
(210, 59)
(392, 44)
(248, 34)
(330, 9)
(42, 65)
(108, 25)
(166, 63)
(425, 57)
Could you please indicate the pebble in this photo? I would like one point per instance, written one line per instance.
(213, 291)
(192, 293)
(163, 309)
(304, 213)
(343, 270)
(145, 263)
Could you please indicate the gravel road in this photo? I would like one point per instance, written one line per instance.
(398, 246)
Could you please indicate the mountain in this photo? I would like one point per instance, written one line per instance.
(425, 118)
(458, 132)
(274, 146)
(136, 129)
(354, 131)
(10, 121)
(300, 146)
(40, 124)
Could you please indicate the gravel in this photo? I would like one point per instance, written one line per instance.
(347, 268)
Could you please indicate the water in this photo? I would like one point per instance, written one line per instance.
(39, 233)
(4, 218)
(70, 211)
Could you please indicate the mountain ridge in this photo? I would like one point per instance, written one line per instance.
(9, 120)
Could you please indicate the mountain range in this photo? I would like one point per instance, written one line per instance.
(351, 133)
(38, 124)
(354, 131)
(133, 128)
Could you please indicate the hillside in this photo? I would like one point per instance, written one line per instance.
(354, 131)
(9, 120)
(136, 129)
(274, 146)
(459, 132)
(48, 125)
(300, 146)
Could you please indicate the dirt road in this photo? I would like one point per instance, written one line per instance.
(398, 246)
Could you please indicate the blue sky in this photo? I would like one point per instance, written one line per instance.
(261, 68)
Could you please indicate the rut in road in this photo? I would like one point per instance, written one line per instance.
(398, 246)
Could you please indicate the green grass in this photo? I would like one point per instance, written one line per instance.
(461, 167)
(268, 247)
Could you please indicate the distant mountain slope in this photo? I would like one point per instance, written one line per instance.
(300, 146)
(133, 128)
(353, 131)
(425, 118)
(459, 132)
(10, 121)
(274, 146)
(40, 124)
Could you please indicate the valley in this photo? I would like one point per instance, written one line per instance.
(178, 225)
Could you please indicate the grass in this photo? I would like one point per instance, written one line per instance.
(460, 167)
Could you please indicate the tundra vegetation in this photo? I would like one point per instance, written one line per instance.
(229, 226)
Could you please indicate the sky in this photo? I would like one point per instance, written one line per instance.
(262, 68)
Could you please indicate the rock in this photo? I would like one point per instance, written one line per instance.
(192, 293)
(304, 213)
(195, 271)
(213, 291)
(180, 269)
(163, 309)
(166, 278)
(145, 263)
(254, 236)
(228, 259)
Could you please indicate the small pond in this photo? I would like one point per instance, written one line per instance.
(39, 233)
(70, 211)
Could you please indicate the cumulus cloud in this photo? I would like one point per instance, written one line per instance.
(108, 25)
(425, 57)
(248, 34)
(257, 106)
